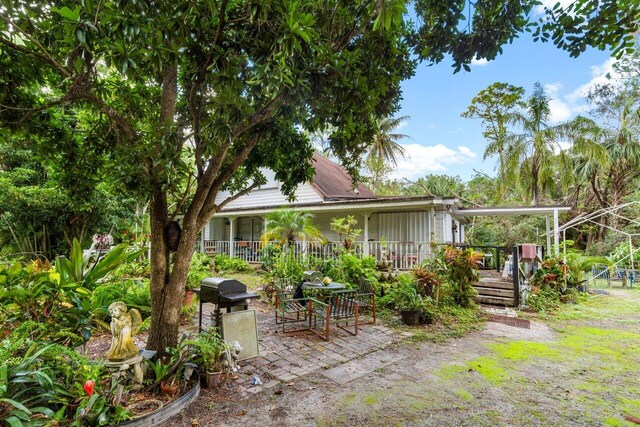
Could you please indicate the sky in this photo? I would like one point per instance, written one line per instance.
(443, 142)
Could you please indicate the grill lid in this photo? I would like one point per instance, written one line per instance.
(222, 285)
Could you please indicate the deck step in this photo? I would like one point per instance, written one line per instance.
(504, 301)
(496, 292)
(494, 283)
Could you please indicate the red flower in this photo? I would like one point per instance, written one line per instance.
(88, 387)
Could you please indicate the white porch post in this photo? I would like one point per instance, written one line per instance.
(556, 233)
(202, 239)
(633, 267)
(232, 250)
(548, 224)
(365, 246)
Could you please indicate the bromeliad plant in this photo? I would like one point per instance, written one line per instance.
(428, 280)
(462, 271)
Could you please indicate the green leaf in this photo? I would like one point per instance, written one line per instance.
(14, 421)
(71, 15)
(16, 405)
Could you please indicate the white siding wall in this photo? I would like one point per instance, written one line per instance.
(270, 197)
(448, 232)
(404, 226)
(323, 222)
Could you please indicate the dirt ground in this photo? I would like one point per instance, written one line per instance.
(578, 367)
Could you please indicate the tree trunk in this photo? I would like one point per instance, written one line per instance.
(167, 284)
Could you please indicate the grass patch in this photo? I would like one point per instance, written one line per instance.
(449, 322)
(253, 280)
(464, 395)
(489, 368)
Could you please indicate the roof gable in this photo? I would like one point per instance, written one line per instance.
(333, 182)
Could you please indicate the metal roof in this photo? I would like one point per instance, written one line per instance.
(510, 211)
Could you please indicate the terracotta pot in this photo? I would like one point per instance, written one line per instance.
(410, 317)
(169, 389)
(213, 379)
(187, 300)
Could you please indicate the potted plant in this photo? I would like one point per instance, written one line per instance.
(168, 383)
(166, 371)
(209, 351)
(410, 305)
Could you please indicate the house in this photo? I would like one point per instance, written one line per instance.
(403, 228)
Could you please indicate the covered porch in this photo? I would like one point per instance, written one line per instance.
(399, 230)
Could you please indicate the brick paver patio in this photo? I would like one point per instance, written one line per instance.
(286, 357)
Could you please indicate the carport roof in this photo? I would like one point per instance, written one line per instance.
(510, 211)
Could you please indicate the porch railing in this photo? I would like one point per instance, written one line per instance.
(401, 255)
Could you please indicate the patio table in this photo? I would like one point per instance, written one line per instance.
(333, 286)
(319, 291)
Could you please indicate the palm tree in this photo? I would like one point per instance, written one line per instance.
(385, 148)
(532, 156)
(288, 225)
(607, 156)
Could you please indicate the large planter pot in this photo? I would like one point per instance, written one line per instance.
(187, 300)
(410, 317)
(213, 379)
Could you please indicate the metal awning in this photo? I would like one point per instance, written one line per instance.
(510, 211)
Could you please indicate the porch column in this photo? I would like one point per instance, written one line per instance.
(556, 234)
(232, 250)
(365, 246)
(202, 236)
(548, 221)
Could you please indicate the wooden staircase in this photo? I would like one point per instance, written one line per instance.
(494, 291)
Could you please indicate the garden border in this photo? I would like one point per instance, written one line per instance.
(161, 416)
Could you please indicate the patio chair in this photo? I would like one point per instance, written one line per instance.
(343, 308)
(288, 307)
(367, 300)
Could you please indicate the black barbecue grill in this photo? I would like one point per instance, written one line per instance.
(224, 293)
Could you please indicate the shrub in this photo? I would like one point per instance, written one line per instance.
(428, 280)
(461, 272)
(230, 264)
(199, 268)
(135, 293)
(133, 269)
(350, 270)
(287, 266)
(347, 233)
(269, 256)
(40, 382)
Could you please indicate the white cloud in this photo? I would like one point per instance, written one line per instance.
(559, 111)
(600, 74)
(479, 62)
(421, 160)
(552, 89)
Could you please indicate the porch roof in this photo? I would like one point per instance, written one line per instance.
(510, 211)
(377, 204)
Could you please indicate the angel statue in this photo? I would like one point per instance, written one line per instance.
(124, 325)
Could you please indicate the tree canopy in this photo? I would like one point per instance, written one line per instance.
(195, 97)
